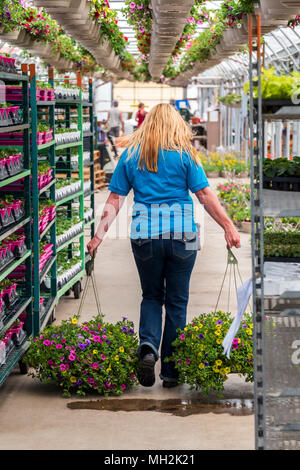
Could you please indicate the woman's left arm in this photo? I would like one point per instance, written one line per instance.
(111, 209)
(212, 205)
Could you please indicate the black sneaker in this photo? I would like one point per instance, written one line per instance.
(168, 384)
(146, 374)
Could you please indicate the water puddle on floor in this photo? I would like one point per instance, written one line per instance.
(174, 406)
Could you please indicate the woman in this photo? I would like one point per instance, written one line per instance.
(141, 114)
(161, 166)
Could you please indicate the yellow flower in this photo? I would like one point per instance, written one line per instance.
(74, 321)
(215, 369)
(227, 370)
(72, 379)
(249, 331)
(196, 328)
(217, 332)
(222, 371)
(200, 325)
(219, 341)
(201, 365)
(218, 362)
(108, 369)
(121, 349)
(116, 358)
(95, 351)
(219, 326)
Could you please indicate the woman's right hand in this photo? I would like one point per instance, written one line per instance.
(93, 245)
(232, 236)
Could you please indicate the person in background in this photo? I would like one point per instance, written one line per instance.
(141, 114)
(162, 168)
(114, 122)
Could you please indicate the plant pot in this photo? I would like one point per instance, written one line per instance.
(212, 174)
(245, 226)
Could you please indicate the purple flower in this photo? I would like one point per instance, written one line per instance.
(219, 322)
(124, 328)
(201, 336)
(82, 346)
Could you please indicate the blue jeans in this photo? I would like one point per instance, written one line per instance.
(165, 267)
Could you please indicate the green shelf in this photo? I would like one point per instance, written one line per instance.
(67, 102)
(69, 145)
(45, 103)
(14, 265)
(11, 229)
(69, 284)
(17, 127)
(69, 198)
(13, 357)
(12, 179)
(13, 77)
(47, 145)
(68, 242)
(14, 313)
(47, 187)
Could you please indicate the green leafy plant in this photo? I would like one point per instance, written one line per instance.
(281, 167)
(93, 356)
(198, 352)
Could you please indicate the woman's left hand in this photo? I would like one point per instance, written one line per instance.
(93, 244)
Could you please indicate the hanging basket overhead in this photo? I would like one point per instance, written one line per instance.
(73, 16)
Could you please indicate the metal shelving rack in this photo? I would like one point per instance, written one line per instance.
(89, 142)
(69, 201)
(46, 108)
(24, 303)
(276, 317)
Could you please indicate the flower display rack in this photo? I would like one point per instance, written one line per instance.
(73, 16)
(23, 40)
(276, 292)
(47, 231)
(17, 307)
(73, 202)
(169, 19)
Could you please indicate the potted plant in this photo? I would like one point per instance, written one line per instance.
(65, 357)
(198, 352)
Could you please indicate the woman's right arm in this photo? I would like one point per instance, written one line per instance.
(111, 209)
(212, 205)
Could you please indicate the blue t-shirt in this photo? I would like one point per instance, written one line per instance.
(162, 203)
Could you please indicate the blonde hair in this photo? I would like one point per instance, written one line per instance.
(162, 128)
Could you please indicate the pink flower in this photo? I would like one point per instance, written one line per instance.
(85, 328)
(123, 387)
(188, 361)
(72, 357)
(58, 346)
(62, 367)
(96, 338)
(95, 365)
(132, 5)
(191, 19)
(46, 342)
(182, 337)
(103, 357)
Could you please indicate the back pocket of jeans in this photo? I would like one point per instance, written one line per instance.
(142, 248)
(183, 248)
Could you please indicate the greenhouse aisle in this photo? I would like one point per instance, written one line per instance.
(35, 416)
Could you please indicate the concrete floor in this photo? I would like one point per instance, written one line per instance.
(34, 416)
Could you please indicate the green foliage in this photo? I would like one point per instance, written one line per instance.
(274, 86)
(281, 167)
(93, 356)
(198, 352)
